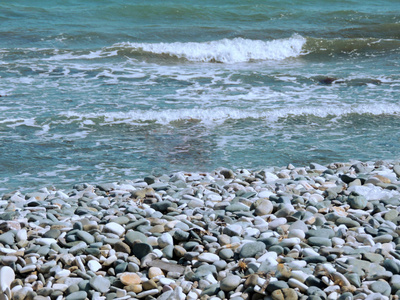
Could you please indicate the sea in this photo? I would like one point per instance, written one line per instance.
(103, 91)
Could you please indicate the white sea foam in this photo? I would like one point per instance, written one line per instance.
(220, 115)
(226, 50)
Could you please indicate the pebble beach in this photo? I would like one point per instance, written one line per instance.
(312, 232)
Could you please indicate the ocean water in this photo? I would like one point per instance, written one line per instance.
(99, 91)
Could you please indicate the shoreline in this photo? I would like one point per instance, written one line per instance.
(315, 232)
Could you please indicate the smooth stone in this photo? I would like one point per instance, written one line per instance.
(263, 207)
(296, 233)
(226, 254)
(120, 246)
(140, 250)
(181, 235)
(230, 283)
(114, 228)
(85, 236)
(154, 271)
(7, 276)
(94, 265)
(252, 249)
(290, 242)
(149, 285)
(208, 257)
(132, 236)
(276, 285)
(349, 223)
(129, 278)
(164, 240)
(395, 283)
(299, 225)
(354, 279)
(319, 241)
(391, 265)
(381, 287)
(322, 232)
(357, 201)
(100, 284)
(52, 233)
(7, 238)
(80, 295)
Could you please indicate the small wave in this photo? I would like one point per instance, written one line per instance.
(351, 46)
(220, 115)
(222, 51)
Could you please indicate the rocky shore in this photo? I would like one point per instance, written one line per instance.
(315, 232)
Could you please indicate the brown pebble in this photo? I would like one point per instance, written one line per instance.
(149, 285)
(252, 280)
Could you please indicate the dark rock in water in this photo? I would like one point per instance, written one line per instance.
(326, 80)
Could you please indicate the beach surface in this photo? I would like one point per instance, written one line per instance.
(312, 232)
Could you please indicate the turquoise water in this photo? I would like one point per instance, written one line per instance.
(93, 91)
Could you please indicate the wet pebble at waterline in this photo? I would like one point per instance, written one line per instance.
(315, 232)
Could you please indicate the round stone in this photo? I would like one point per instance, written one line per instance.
(263, 207)
(154, 271)
(226, 254)
(357, 201)
(140, 250)
(252, 249)
(129, 278)
(164, 240)
(229, 283)
(381, 287)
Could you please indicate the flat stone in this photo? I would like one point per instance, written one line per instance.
(100, 284)
(7, 238)
(357, 201)
(114, 228)
(381, 287)
(132, 236)
(322, 232)
(319, 241)
(80, 295)
(129, 278)
(349, 223)
(230, 282)
(226, 254)
(94, 265)
(167, 267)
(208, 257)
(164, 240)
(85, 236)
(276, 285)
(252, 249)
(140, 250)
(120, 246)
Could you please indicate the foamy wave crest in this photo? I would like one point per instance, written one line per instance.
(224, 51)
(220, 115)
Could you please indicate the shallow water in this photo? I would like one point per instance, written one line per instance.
(94, 91)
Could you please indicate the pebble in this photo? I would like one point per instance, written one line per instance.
(230, 283)
(318, 232)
